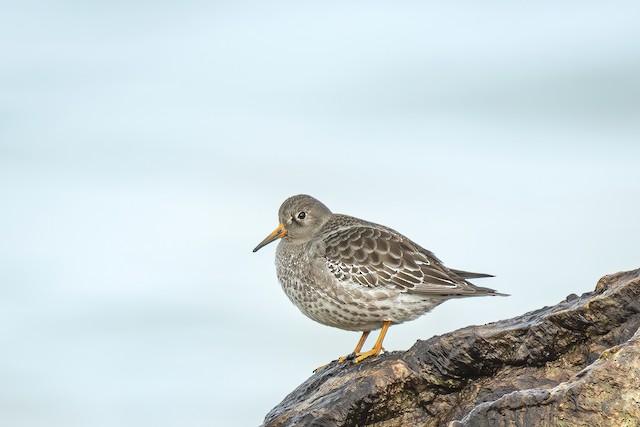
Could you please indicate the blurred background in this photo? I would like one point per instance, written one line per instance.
(145, 148)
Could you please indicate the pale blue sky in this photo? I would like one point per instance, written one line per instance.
(145, 148)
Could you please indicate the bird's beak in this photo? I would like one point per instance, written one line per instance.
(278, 233)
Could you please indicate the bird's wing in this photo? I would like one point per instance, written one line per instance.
(375, 257)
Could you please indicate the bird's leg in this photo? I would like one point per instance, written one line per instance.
(355, 353)
(361, 342)
(358, 348)
(377, 348)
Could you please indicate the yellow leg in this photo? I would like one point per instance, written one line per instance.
(358, 348)
(377, 348)
(363, 338)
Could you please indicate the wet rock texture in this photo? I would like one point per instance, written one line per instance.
(574, 364)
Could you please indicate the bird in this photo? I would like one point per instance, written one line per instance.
(356, 275)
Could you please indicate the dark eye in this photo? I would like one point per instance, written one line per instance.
(302, 215)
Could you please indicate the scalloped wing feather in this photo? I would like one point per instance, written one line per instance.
(375, 257)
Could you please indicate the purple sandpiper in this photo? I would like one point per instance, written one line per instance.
(355, 275)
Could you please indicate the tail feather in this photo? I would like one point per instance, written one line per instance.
(489, 291)
(470, 275)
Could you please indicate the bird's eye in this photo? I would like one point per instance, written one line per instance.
(302, 215)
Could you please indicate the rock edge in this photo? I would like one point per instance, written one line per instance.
(576, 364)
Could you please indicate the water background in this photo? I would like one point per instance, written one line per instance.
(145, 148)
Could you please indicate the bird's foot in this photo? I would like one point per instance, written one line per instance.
(373, 352)
(350, 356)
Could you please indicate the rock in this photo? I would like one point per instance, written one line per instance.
(575, 364)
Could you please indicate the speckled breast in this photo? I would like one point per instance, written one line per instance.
(321, 296)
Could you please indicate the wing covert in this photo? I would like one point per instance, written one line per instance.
(376, 257)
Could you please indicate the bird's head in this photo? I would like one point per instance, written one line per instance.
(301, 218)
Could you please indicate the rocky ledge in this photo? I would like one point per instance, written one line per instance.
(575, 364)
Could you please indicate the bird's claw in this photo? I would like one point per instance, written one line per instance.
(349, 356)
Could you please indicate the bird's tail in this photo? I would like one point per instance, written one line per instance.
(470, 275)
